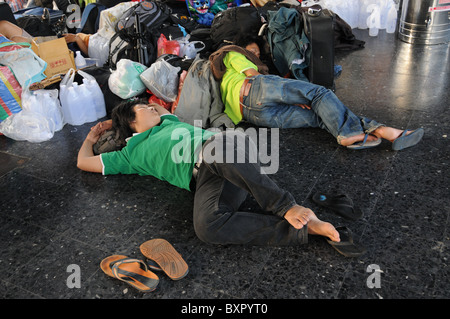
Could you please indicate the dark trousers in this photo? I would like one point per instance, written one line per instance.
(223, 183)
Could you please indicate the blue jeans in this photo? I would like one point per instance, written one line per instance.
(272, 102)
(222, 186)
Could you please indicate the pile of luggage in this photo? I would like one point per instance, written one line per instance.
(147, 50)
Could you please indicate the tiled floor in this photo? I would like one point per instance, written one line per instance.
(54, 216)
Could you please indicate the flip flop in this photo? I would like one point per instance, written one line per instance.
(342, 205)
(163, 253)
(346, 246)
(364, 144)
(405, 141)
(132, 271)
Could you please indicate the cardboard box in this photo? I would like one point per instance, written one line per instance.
(55, 52)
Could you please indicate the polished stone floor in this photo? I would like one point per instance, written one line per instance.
(57, 221)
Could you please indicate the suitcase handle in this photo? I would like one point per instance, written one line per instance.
(314, 12)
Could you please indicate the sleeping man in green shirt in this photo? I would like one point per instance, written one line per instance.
(203, 162)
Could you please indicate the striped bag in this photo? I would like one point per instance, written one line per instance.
(10, 93)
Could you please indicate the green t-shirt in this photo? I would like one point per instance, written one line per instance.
(236, 64)
(167, 151)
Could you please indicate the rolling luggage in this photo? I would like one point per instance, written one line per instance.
(319, 29)
(41, 22)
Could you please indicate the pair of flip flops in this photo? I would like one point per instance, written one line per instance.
(342, 205)
(405, 140)
(161, 256)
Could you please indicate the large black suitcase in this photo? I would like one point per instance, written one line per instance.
(319, 28)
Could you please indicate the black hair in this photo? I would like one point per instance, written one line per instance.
(244, 40)
(123, 114)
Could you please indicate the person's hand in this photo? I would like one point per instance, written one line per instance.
(70, 37)
(106, 125)
(304, 106)
(96, 132)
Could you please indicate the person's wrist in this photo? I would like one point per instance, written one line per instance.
(89, 141)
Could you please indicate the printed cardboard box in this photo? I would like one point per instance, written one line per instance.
(55, 52)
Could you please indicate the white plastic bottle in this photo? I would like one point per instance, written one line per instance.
(384, 9)
(63, 100)
(75, 105)
(97, 97)
(86, 102)
(80, 61)
(362, 14)
(50, 114)
(391, 24)
(373, 21)
(354, 13)
(54, 109)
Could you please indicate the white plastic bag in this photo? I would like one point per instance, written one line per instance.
(24, 126)
(98, 48)
(125, 81)
(40, 117)
(99, 42)
(162, 80)
(188, 48)
(109, 18)
(46, 103)
(77, 101)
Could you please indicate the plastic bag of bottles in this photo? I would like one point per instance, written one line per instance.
(81, 103)
(40, 118)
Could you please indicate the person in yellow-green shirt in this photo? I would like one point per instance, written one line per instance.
(249, 93)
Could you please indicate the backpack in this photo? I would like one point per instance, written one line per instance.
(151, 16)
(138, 41)
(232, 22)
(138, 47)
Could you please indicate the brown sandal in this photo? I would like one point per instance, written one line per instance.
(132, 271)
(163, 253)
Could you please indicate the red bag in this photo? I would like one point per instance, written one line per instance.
(167, 47)
(155, 99)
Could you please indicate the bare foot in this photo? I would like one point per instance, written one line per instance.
(318, 227)
(389, 133)
(357, 138)
(299, 216)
